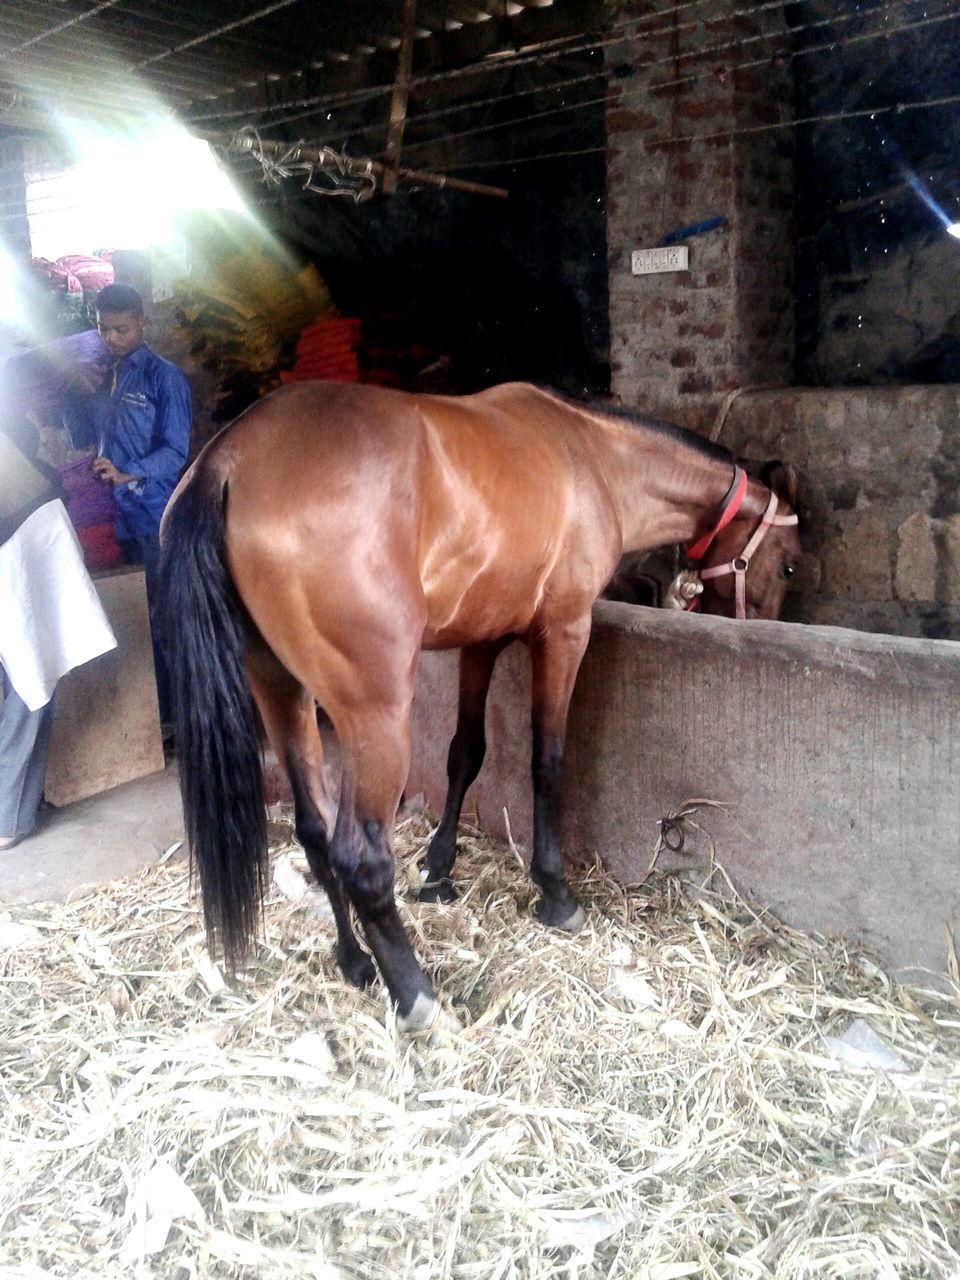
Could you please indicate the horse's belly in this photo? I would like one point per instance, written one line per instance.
(482, 607)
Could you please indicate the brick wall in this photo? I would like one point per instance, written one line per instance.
(689, 137)
(680, 341)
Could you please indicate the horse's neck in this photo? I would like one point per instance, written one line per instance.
(665, 491)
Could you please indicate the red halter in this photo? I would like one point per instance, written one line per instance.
(728, 509)
(738, 566)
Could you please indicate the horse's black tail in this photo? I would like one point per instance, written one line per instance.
(204, 628)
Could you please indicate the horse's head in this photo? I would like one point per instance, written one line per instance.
(763, 560)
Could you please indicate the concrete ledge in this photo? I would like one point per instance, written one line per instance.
(837, 753)
(106, 724)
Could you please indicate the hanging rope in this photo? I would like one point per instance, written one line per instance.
(325, 172)
(354, 179)
(341, 175)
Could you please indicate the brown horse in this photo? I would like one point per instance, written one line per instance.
(331, 533)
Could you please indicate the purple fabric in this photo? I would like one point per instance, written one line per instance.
(89, 501)
(37, 381)
(76, 476)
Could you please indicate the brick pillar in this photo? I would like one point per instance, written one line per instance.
(680, 341)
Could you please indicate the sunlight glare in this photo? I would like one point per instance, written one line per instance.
(9, 289)
(130, 188)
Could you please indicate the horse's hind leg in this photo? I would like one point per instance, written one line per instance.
(464, 759)
(374, 742)
(555, 654)
(290, 719)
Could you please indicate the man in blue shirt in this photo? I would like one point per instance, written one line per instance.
(139, 424)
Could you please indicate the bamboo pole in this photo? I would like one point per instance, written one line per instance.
(325, 158)
(398, 101)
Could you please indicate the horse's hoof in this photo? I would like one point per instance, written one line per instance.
(358, 969)
(560, 915)
(427, 1014)
(441, 890)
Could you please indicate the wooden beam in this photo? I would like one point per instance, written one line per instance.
(398, 101)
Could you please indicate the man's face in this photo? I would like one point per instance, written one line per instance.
(122, 331)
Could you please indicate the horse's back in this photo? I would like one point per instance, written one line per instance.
(508, 509)
(326, 424)
(464, 513)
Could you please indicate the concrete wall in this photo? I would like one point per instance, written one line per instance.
(836, 753)
(880, 500)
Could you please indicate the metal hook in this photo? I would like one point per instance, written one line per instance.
(671, 833)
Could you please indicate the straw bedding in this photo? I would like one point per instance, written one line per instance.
(654, 1099)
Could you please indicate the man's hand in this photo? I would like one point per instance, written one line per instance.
(104, 469)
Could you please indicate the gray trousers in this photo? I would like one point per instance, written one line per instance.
(24, 742)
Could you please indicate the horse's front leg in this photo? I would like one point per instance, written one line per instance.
(464, 759)
(556, 652)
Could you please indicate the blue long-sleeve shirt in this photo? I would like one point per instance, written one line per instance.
(140, 420)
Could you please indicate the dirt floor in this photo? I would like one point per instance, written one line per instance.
(112, 835)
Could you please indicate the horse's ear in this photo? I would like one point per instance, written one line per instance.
(781, 477)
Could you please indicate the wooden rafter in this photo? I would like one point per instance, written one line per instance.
(398, 100)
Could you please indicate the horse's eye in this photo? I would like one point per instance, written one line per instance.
(788, 570)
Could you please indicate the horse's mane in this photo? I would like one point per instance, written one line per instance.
(690, 439)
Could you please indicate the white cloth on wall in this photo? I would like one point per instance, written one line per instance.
(51, 618)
